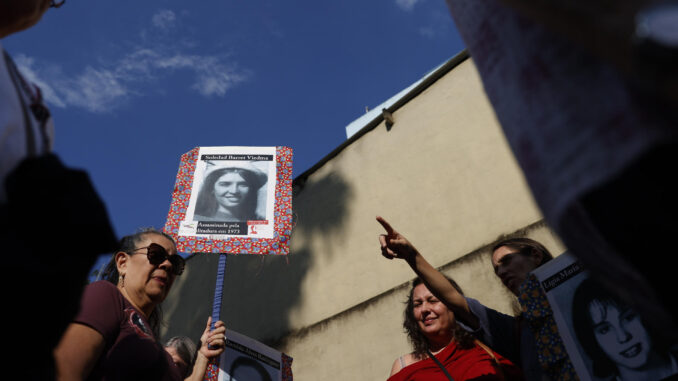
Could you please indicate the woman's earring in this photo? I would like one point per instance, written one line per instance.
(121, 280)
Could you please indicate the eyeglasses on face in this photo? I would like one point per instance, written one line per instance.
(157, 254)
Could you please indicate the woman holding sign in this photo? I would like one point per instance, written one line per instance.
(114, 336)
(230, 193)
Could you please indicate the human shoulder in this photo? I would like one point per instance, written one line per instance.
(101, 308)
(200, 217)
(100, 289)
(403, 361)
(102, 285)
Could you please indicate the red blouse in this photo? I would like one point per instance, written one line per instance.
(462, 364)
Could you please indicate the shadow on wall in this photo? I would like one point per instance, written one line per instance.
(321, 212)
(260, 291)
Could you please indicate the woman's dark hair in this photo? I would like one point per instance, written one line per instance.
(420, 344)
(186, 349)
(587, 292)
(127, 244)
(206, 203)
(525, 246)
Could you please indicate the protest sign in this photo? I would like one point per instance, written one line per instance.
(604, 337)
(233, 200)
(247, 359)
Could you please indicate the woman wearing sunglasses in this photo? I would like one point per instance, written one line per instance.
(114, 336)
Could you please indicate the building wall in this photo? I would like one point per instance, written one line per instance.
(443, 176)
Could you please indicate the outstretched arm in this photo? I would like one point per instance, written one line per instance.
(215, 338)
(395, 245)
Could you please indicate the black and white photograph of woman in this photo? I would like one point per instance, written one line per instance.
(231, 191)
(615, 338)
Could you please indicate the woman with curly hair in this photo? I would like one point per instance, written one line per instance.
(442, 349)
(512, 259)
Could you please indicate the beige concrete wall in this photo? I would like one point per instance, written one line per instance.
(443, 175)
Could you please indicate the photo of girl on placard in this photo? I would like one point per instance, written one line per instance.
(605, 338)
(231, 190)
(235, 200)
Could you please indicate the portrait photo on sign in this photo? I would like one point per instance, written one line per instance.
(246, 359)
(604, 337)
(233, 193)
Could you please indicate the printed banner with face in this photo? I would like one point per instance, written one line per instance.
(604, 337)
(246, 359)
(233, 200)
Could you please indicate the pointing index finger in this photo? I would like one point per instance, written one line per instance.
(386, 225)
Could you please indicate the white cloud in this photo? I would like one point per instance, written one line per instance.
(116, 80)
(407, 5)
(27, 67)
(212, 76)
(163, 19)
(437, 24)
(214, 79)
(94, 90)
(427, 31)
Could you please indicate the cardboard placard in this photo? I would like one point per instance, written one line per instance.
(604, 338)
(233, 200)
(247, 359)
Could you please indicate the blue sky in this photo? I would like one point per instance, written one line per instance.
(133, 85)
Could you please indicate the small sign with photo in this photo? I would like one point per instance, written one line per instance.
(233, 200)
(247, 359)
(604, 337)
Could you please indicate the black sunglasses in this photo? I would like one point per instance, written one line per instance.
(157, 255)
